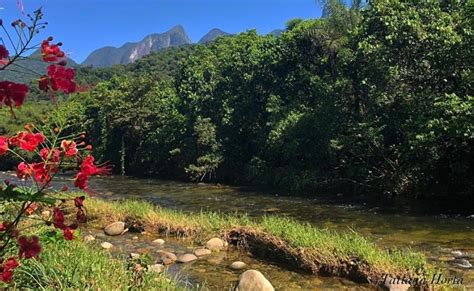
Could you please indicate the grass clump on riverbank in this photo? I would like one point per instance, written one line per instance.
(299, 245)
(82, 266)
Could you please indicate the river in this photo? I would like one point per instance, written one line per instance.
(445, 239)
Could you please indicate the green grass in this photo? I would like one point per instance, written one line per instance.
(328, 246)
(78, 265)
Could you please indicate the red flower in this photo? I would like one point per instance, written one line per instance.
(29, 247)
(65, 188)
(3, 55)
(89, 168)
(61, 79)
(12, 93)
(23, 170)
(58, 218)
(81, 216)
(28, 141)
(80, 181)
(51, 52)
(43, 83)
(68, 233)
(69, 148)
(79, 201)
(3, 145)
(3, 52)
(50, 155)
(7, 267)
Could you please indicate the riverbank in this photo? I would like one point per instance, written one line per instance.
(281, 240)
(80, 265)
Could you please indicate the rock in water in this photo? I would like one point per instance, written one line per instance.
(202, 252)
(463, 263)
(237, 265)
(215, 244)
(253, 280)
(186, 258)
(116, 228)
(166, 258)
(106, 245)
(159, 242)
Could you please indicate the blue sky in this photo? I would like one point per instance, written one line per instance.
(85, 25)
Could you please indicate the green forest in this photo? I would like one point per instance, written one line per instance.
(370, 99)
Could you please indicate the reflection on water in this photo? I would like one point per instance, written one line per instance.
(436, 236)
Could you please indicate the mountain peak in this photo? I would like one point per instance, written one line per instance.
(131, 51)
(212, 35)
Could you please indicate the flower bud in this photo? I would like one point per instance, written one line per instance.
(50, 38)
(89, 147)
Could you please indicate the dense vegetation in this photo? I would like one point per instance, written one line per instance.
(375, 99)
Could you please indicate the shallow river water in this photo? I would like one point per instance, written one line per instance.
(444, 239)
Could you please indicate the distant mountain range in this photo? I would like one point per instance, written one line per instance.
(132, 51)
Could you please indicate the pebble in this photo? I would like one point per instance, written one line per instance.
(156, 268)
(463, 263)
(159, 241)
(253, 280)
(134, 256)
(166, 258)
(106, 245)
(186, 258)
(237, 265)
(89, 238)
(457, 253)
(116, 228)
(215, 244)
(135, 237)
(202, 252)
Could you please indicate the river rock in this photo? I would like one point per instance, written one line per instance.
(253, 280)
(159, 242)
(89, 238)
(395, 285)
(216, 259)
(156, 268)
(106, 245)
(134, 256)
(45, 214)
(463, 263)
(202, 252)
(116, 228)
(237, 265)
(186, 258)
(457, 253)
(215, 244)
(167, 258)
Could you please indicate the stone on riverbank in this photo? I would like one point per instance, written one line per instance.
(215, 244)
(116, 228)
(186, 258)
(156, 268)
(166, 258)
(237, 265)
(89, 238)
(106, 245)
(159, 242)
(395, 285)
(134, 256)
(202, 252)
(253, 280)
